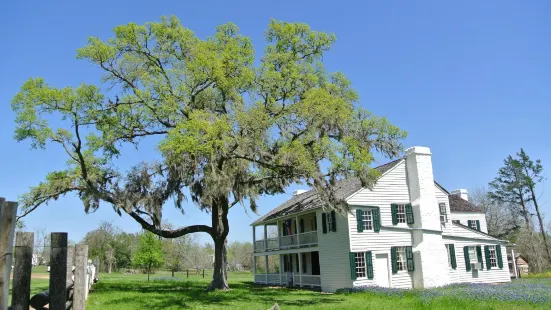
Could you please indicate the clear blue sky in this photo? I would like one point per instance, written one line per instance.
(469, 79)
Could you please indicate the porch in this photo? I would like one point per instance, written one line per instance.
(288, 233)
(293, 269)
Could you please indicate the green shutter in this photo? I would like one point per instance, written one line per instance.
(376, 220)
(499, 258)
(409, 214)
(409, 257)
(324, 222)
(393, 256)
(304, 263)
(452, 256)
(478, 225)
(369, 264)
(479, 256)
(394, 210)
(487, 254)
(467, 259)
(359, 220)
(301, 225)
(333, 221)
(296, 261)
(352, 265)
(469, 224)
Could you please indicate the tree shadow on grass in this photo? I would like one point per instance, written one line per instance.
(182, 294)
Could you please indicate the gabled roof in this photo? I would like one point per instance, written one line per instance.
(309, 200)
(474, 230)
(458, 204)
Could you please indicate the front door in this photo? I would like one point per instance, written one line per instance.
(381, 270)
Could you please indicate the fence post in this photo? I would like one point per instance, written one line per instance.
(58, 271)
(8, 212)
(81, 269)
(21, 292)
(203, 273)
(70, 264)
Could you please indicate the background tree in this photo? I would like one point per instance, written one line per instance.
(198, 257)
(508, 188)
(531, 177)
(176, 251)
(228, 130)
(240, 254)
(149, 255)
(503, 219)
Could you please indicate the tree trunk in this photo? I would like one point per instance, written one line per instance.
(220, 232)
(540, 220)
(173, 273)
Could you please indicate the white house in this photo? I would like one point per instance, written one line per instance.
(407, 231)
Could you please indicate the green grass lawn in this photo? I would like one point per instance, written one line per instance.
(120, 291)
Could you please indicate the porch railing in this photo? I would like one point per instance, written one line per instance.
(281, 279)
(309, 238)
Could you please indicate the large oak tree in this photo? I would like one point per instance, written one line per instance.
(227, 128)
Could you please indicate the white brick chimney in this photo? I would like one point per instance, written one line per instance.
(429, 252)
(463, 193)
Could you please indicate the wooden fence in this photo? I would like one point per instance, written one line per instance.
(71, 273)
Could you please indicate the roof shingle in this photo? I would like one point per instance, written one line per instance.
(309, 200)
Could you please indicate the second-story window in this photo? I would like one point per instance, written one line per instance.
(367, 220)
(443, 215)
(473, 225)
(401, 213)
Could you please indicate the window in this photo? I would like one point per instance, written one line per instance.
(473, 225)
(401, 213)
(493, 256)
(367, 220)
(360, 265)
(449, 256)
(472, 255)
(313, 224)
(401, 259)
(329, 222)
(443, 215)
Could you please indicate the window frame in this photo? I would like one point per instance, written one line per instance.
(493, 260)
(443, 212)
(401, 259)
(473, 254)
(359, 259)
(449, 256)
(329, 222)
(401, 216)
(369, 220)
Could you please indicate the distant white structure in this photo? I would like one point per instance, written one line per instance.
(405, 232)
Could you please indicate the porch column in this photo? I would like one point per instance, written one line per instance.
(281, 271)
(266, 266)
(297, 231)
(514, 263)
(300, 268)
(278, 235)
(265, 237)
(254, 266)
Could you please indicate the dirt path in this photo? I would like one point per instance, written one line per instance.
(36, 276)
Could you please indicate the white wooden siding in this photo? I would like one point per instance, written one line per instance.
(464, 217)
(461, 275)
(461, 232)
(334, 258)
(442, 197)
(390, 188)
